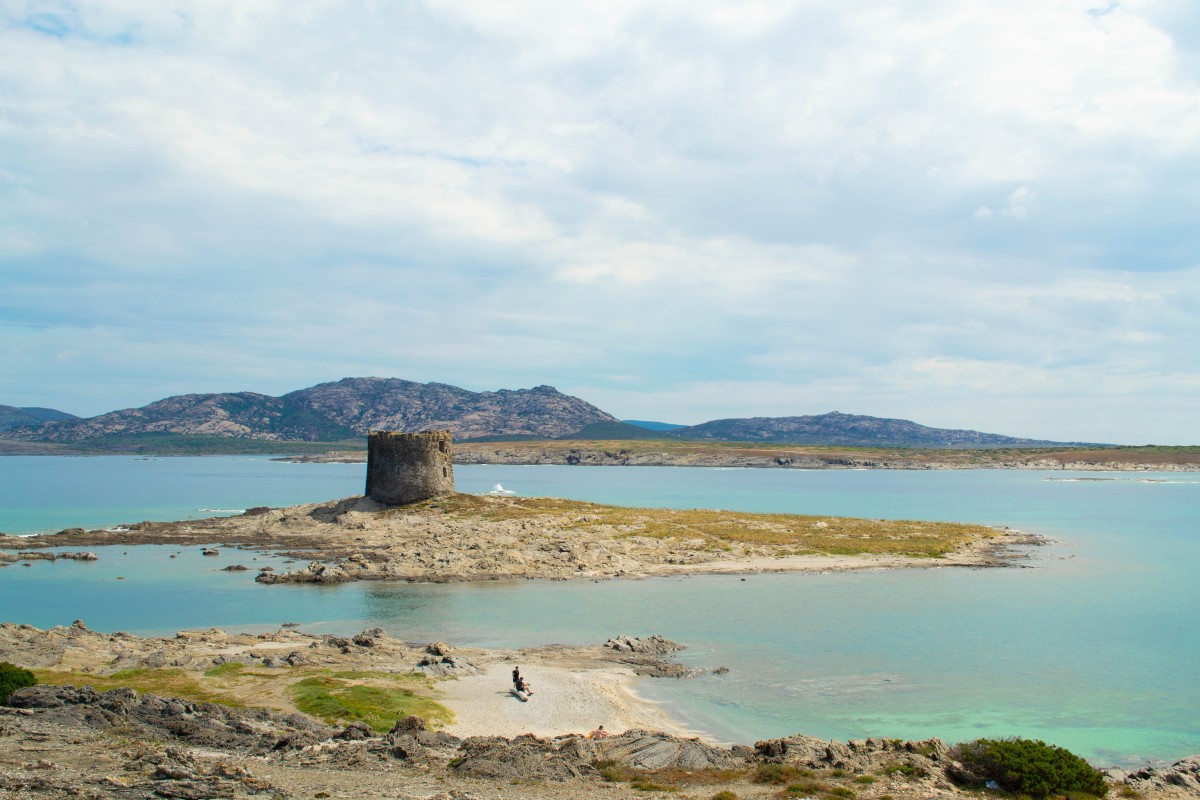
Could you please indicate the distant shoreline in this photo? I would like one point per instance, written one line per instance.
(782, 457)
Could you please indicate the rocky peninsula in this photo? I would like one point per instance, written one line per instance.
(472, 537)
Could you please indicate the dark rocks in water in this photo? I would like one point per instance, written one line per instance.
(234, 568)
(47, 556)
(315, 572)
(646, 656)
(209, 551)
(654, 645)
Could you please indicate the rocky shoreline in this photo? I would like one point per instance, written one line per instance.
(60, 741)
(774, 458)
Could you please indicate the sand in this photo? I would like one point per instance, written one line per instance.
(564, 701)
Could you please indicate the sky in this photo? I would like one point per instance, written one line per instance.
(968, 214)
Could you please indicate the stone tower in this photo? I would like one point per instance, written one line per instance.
(408, 467)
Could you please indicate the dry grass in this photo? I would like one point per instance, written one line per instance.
(781, 534)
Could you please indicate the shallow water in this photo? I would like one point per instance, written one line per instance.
(1092, 648)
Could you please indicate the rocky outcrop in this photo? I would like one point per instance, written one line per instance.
(1181, 779)
(315, 572)
(654, 645)
(653, 750)
(246, 730)
(923, 758)
(563, 758)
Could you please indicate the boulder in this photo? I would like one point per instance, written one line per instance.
(654, 750)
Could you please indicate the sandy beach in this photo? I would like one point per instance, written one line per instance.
(564, 701)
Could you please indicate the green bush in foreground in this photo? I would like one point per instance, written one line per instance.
(1028, 766)
(12, 678)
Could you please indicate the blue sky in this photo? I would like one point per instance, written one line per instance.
(969, 214)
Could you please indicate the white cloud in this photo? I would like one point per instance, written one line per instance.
(771, 199)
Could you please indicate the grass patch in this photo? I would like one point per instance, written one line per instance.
(699, 529)
(339, 701)
(224, 669)
(163, 682)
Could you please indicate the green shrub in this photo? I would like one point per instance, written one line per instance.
(12, 678)
(780, 774)
(724, 795)
(1028, 766)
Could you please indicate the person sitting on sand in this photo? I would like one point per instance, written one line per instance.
(523, 686)
(599, 733)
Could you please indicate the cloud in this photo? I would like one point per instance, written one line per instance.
(797, 200)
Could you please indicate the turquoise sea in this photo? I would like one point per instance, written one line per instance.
(1093, 647)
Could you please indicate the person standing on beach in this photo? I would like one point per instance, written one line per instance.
(516, 676)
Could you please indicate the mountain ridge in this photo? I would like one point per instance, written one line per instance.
(338, 410)
(836, 428)
(346, 409)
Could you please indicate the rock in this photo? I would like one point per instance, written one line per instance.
(236, 568)
(355, 732)
(368, 637)
(1151, 781)
(439, 649)
(925, 757)
(654, 750)
(315, 572)
(248, 730)
(209, 551)
(654, 645)
(523, 758)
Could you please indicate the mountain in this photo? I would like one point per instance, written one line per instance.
(14, 417)
(617, 431)
(836, 428)
(343, 409)
(653, 426)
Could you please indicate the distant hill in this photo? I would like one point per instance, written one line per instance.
(339, 410)
(836, 428)
(614, 430)
(653, 426)
(14, 417)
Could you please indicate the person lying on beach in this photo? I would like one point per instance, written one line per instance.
(599, 733)
(523, 686)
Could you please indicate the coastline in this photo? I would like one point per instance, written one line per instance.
(482, 538)
(107, 742)
(731, 455)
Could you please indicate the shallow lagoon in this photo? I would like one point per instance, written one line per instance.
(1093, 648)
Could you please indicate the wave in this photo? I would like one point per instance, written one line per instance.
(223, 510)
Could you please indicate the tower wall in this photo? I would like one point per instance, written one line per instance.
(408, 467)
